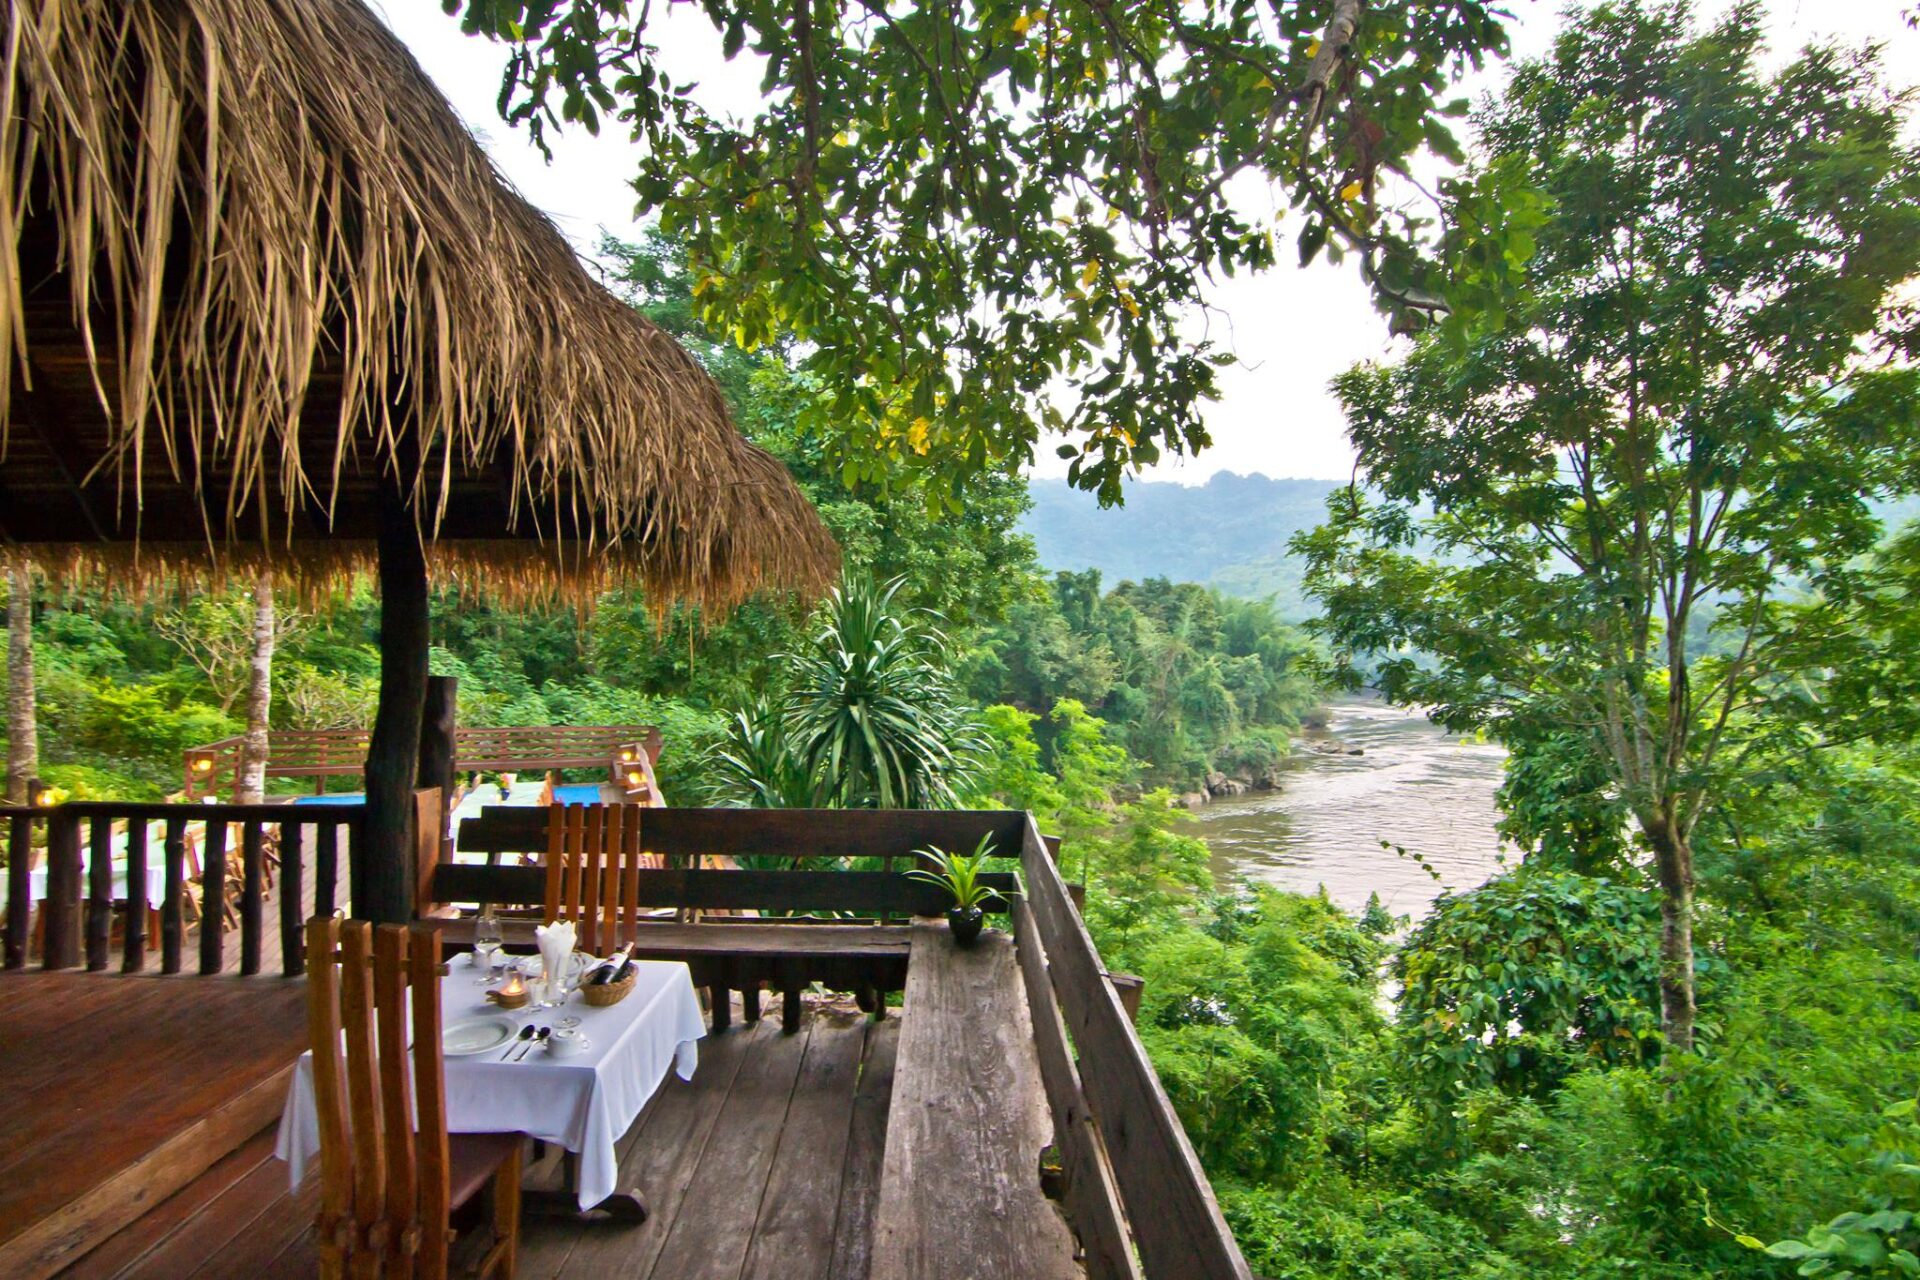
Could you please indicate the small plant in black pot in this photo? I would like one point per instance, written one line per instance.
(959, 875)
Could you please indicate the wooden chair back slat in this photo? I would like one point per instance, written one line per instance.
(363, 1098)
(613, 859)
(591, 867)
(330, 1097)
(390, 977)
(556, 852)
(630, 864)
(593, 853)
(433, 1164)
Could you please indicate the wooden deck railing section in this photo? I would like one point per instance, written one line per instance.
(338, 753)
(1134, 1190)
(1130, 1172)
(82, 902)
(20, 824)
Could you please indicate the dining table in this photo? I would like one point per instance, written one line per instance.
(582, 1102)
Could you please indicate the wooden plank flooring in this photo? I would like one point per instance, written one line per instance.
(960, 1194)
(766, 1163)
(117, 1089)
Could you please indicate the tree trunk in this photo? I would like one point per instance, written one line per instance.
(23, 735)
(1673, 862)
(383, 870)
(250, 783)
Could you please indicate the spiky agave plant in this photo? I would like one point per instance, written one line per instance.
(756, 766)
(873, 712)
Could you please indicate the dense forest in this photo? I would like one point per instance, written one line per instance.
(1630, 509)
(1189, 681)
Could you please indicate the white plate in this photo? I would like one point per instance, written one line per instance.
(476, 1035)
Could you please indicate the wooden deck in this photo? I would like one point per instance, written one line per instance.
(766, 1164)
(136, 1111)
(115, 1089)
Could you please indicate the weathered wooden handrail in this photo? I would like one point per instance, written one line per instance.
(337, 753)
(81, 898)
(860, 893)
(800, 834)
(1130, 1172)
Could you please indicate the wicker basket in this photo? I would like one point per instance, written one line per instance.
(609, 992)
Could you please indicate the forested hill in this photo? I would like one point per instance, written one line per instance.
(1230, 533)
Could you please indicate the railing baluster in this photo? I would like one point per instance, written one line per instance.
(326, 867)
(135, 957)
(293, 838)
(19, 888)
(99, 892)
(252, 873)
(173, 922)
(213, 894)
(63, 891)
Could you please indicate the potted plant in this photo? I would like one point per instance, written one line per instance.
(959, 875)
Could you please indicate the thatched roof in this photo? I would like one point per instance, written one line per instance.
(251, 263)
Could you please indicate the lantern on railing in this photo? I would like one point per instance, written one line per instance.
(199, 771)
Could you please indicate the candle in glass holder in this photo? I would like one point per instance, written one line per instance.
(512, 993)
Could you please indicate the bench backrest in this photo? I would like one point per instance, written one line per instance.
(675, 838)
(593, 855)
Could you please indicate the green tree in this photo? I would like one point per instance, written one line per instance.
(1064, 165)
(1687, 404)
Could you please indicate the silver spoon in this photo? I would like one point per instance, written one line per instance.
(526, 1033)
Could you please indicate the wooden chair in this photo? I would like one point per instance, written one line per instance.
(592, 852)
(388, 1184)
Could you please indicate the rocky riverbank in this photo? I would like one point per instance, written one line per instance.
(1311, 742)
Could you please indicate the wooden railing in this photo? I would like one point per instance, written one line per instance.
(1130, 1173)
(689, 841)
(621, 749)
(81, 900)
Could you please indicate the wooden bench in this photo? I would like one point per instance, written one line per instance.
(960, 1184)
(868, 956)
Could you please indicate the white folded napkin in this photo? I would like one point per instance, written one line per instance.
(556, 952)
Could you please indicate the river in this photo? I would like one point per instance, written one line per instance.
(1414, 785)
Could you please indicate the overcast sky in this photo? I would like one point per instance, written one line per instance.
(1292, 329)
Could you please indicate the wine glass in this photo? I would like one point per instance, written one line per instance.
(486, 942)
(579, 964)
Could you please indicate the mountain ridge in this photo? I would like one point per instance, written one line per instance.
(1230, 533)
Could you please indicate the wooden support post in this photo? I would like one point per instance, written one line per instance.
(790, 1011)
(750, 1002)
(722, 1002)
(383, 857)
(437, 726)
(1129, 987)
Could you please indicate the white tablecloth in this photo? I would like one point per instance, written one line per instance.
(156, 881)
(584, 1103)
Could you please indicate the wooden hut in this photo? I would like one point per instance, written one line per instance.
(267, 302)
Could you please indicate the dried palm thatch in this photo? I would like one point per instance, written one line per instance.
(255, 269)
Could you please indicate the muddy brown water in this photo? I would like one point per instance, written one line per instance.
(1415, 785)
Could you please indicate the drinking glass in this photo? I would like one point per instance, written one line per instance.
(577, 971)
(486, 942)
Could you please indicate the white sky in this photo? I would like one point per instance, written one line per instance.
(1292, 329)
